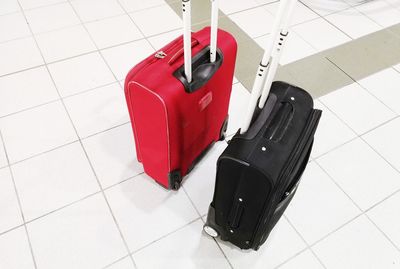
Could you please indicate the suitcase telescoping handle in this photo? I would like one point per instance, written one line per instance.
(270, 61)
(187, 35)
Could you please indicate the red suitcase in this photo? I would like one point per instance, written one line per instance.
(174, 122)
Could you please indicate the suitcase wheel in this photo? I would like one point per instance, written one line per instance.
(175, 180)
(224, 127)
(210, 231)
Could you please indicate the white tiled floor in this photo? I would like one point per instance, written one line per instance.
(73, 195)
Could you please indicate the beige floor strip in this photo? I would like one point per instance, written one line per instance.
(320, 73)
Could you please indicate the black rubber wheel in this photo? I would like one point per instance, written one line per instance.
(224, 127)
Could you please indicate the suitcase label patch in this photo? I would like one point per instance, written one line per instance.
(205, 101)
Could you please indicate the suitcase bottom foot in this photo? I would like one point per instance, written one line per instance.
(175, 180)
(211, 228)
(210, 231)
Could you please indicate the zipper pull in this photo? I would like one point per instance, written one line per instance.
(160, 55)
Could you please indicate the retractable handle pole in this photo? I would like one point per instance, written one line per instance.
(187, 35)
(277, 53)
(187, 38)
(214, 30)
(264, 65)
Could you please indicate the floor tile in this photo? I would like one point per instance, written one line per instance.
(25, 90)
(57, 45)
(199, 251)
(53, 180)
(320, 34)
(60, 16)
(143, 19)
(381, 12)
(9, 208)
(394, 3)
(353, 23)
(385, 86)
(81, 73)
(113, 155)
(385, 140)
(263, 2)
(19, 27)
(122, 58)
(231, 6)
(319, 207)
(126, 263)
(387, 217)
(113, 31)
(98, 110)
(135, 5)
(3, 157)
(301, 13)
(237, 106)
(159, 41)
(331, 132)
(82, 235)
(282, 244)
(29, 4)
(90, 10)
(200, 183)
(14, 250)
(9, 6)
(324, 8)
(356, 168)
(19, 54)
(304, 260)
(354, 243)
(146, 212)
(35, 131)
(249, 21)
(295, 49)
(363, 115)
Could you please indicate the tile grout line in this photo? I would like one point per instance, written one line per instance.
(58, 99)
(19, 203)
(140, 30)
(71, 25)
(68, 204)
(164, 236)
(79, 139)
(355, 81)
(363, 212)
(115, 262)
(303, 250)
(201, 217)
(86, 154)
(356, 135)
(80, 54)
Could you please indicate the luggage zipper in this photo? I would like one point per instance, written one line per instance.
(160, 54)
(303, 141)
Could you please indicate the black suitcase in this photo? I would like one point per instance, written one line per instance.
(259, 172)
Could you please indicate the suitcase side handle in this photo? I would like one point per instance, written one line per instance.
(179, 53)
(213, 55)
(269, 64)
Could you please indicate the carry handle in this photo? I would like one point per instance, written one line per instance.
(267, 68)
(187, 32)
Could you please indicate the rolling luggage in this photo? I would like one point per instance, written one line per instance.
(259, 172)
(178, 104)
